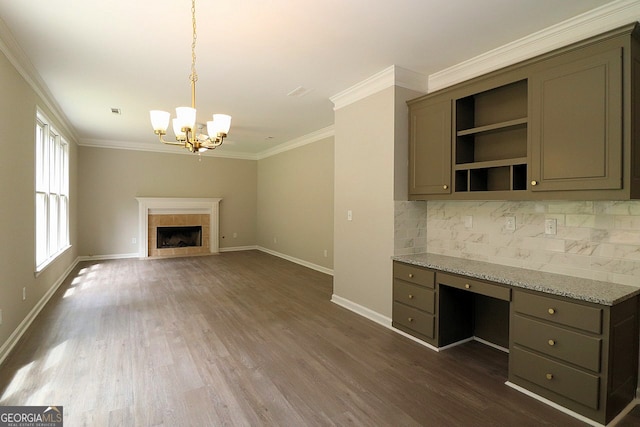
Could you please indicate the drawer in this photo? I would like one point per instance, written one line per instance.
(416, 296)
(569, 346)
(414, 274)
(477, 286)
(414, 319)
(564, 380)
(559, 311)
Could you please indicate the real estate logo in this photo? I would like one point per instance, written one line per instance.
(31, 416)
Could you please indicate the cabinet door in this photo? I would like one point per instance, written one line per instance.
(430, 147)
(576, 122)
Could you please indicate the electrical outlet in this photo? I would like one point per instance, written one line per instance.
(235, 235)
(468, 221)
(275, 240)
(326, 253)
(0, 316)
(134, 240)
(550, 226)
(510, 223)
(24, 294)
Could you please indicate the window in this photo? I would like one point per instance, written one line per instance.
(52, 193)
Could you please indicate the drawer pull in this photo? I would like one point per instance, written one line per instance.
(552, 343)
(410, 275)
(410, 296)
(467, 286)
(549, 376)
(534, 182)
(552, 311)
(445, 187)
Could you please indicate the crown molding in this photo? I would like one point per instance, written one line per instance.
(162, 148)
(390, 76)
(16, 56)
(327, 132)
(156, 147)
(588, 24)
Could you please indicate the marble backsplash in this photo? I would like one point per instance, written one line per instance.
(594, 239)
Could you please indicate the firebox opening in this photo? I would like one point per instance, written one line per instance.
(179, 237)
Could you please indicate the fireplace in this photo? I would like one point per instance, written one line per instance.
(178, 237)
(191, 226)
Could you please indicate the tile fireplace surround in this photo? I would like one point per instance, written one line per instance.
(163, 211)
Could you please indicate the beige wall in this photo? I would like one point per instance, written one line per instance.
(367, 135)
(18, 104)
(295, 203)
(110, 180)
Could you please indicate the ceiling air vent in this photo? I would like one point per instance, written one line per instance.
(299, 92)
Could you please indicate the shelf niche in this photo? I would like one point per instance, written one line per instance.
(491, 140)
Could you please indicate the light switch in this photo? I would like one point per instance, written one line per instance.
(349, 215)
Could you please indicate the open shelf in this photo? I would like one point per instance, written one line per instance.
(496, 178)
(491, 140)
(522, 122)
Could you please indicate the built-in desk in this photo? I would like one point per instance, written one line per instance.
(571, 341)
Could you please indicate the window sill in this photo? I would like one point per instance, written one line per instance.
(40, 268)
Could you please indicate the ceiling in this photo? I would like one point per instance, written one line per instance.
(135, 55)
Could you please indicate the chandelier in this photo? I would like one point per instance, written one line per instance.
(187, 131)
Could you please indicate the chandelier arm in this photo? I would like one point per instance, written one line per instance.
(169, 142)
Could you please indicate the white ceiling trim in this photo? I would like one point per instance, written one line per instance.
(594, 22)
(159, 147)
(390, 76)
(16, 56)
(298, 142)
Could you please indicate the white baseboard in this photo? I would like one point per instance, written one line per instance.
(238, 248)
(362, 311)
(567, 411)
(308, 264)
(13, 339)
(108, 257)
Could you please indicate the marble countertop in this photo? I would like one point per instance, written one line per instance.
(595, 291)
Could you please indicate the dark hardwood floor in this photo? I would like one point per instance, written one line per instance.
(245, 338)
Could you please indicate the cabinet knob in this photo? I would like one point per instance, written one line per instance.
(534, 182)
(467, 286)
(445, 186)
(410, 319)
(552, 311)
(551, 343)
(410, 275)
(549, 376)
(410, 296)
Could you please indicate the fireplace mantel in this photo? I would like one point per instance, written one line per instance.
(177, 205)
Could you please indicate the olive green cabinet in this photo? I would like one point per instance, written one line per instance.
(414, 302)
(430, 148)
(580, 355)
(576, 122)
(563, 125)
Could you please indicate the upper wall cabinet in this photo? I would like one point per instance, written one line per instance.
(564, 125)
(576, 122)
(430, 147)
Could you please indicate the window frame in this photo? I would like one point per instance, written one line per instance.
(51, 193)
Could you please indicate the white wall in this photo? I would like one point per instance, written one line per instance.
(295, 203)
(18, 104)
(367, 135)
(111, 179)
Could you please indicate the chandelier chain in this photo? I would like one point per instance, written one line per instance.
(194, 76)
